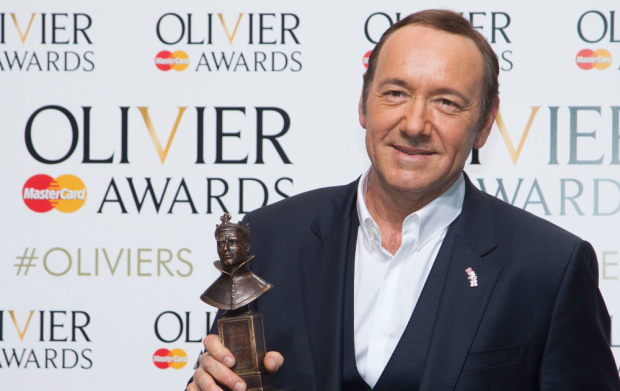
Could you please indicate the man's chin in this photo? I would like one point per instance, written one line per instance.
(415, 185)
(404, 179)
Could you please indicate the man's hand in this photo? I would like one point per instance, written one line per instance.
(216, 363)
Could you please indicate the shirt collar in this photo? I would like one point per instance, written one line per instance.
(424, 224)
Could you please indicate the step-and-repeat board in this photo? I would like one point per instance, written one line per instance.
(128, 128)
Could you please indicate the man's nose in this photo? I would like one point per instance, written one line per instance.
(226, 245)
(414, 122)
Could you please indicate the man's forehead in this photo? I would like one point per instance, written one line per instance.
(418, 35)
(422, 47)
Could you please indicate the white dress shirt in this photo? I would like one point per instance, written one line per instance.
(387, 287)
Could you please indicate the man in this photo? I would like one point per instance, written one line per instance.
(411, 278)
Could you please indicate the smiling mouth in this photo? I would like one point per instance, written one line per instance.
(412, 151)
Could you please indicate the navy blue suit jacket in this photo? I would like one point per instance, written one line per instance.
(536, 320)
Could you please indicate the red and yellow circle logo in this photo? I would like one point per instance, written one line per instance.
(175, 358)
(42, 193)
(366, 57)
(166, 61)
(598, 59)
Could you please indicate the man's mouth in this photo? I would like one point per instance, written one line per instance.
(412, 151)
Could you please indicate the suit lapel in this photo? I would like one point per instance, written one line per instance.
(323, 265)
(461, 306)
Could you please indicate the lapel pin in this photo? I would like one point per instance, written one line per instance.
(473, 278)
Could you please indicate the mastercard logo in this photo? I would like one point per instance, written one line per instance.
(42, 193)
(366, 57)
(166, 61)
(598, 59)
(175, 358)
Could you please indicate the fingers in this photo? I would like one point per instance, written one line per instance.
(273, 361)
(216, 349)
(202, 381)
(215, 365)
(222, 374)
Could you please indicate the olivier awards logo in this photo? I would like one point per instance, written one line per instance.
(39, 41)
(45, 339)
(159, 194)
(234, 42)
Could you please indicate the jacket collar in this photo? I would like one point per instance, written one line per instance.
(476, 228)
(336, 209)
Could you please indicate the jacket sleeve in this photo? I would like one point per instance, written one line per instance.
(577, 354)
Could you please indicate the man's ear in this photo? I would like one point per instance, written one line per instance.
(360, 111)
(483, 134)
(246, 248)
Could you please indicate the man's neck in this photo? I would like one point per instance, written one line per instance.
(389, 207)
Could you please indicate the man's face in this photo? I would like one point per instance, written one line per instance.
(422, 109)
(231, 247)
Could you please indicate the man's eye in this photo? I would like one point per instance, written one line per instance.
(446, 102)
(396, 94)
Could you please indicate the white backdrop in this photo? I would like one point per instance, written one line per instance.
(107, 282)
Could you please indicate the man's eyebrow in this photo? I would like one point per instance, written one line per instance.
(451, 91)
(394, 80)
(441, 91)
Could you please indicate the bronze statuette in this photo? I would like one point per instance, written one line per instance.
(239, 328)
